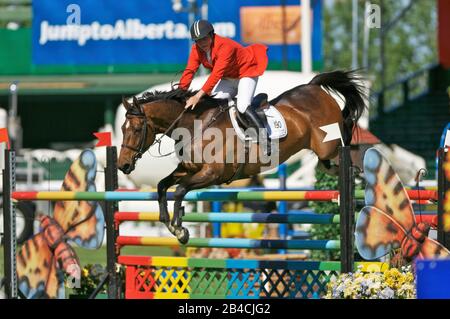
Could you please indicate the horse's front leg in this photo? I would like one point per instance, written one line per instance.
(163, 186)
(176, 226)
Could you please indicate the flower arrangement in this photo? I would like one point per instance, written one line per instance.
(390, 284)
(91, 275)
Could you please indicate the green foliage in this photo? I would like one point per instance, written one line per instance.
(332, 231)
(410, 44)
(91, 276)
(15, 12)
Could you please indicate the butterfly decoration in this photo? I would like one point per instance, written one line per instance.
(43, 259)
(446, 215)
(387, 222)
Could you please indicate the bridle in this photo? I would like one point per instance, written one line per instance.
(141, 149)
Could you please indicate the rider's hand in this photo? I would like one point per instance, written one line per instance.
(193, 100)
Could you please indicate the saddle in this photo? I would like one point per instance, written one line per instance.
(270, 116)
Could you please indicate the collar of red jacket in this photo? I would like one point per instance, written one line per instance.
(216, 39)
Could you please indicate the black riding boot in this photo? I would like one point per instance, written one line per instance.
(258, 124)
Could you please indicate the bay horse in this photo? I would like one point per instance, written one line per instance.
(305, 109)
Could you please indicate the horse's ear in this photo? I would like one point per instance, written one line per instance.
(126, 104)
(135, 102)
(137, 105)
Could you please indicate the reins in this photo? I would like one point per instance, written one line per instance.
(220, 111)
(140, 150)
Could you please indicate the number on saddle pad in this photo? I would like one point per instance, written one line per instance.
(277, 125)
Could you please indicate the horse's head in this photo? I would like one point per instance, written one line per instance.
(138, 135)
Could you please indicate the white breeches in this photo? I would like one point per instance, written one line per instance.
(243, 88)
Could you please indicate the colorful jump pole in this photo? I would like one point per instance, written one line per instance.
(260, 218)
(230, 243)
(208, 195)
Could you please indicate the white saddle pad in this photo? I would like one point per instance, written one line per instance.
(277, 125)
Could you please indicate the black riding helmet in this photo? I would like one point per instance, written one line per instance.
(200, 29)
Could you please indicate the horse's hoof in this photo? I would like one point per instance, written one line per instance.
(182, 236)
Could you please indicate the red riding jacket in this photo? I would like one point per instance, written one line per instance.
(229, 59)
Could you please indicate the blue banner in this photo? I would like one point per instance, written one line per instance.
(107, 32)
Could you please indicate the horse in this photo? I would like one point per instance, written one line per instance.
(305, 109)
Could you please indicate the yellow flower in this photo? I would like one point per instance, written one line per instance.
(85, 272)
(369, 284)
(348, 292)
(394, 272)
(409, 277)
(390, 282)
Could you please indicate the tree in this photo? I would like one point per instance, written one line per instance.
(410, 44)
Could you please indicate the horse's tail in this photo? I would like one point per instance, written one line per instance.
(350, 86)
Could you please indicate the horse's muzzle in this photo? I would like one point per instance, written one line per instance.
(126, 168)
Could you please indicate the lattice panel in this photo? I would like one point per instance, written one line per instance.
(280, 283)
(210, 283)
(244, 283)
(162, 280)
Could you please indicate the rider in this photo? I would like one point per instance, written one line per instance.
(234, 68)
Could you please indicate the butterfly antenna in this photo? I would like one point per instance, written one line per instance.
(421, 173)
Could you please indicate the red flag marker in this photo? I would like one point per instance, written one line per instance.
(4, 136)
(104, 139)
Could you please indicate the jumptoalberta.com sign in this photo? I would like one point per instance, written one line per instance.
(83, 32)
(130, 29)
(151, 33)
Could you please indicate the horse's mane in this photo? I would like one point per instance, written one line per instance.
(179, 95)
(174, 94)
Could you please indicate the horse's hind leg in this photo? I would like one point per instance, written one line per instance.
(325, 151)
(329, 167)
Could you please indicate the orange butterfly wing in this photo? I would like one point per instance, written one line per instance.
(446, 204)
(385, 191)
(377, 233)
(37, 272)
(83, 221)
(40, 273)
(432, 249)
